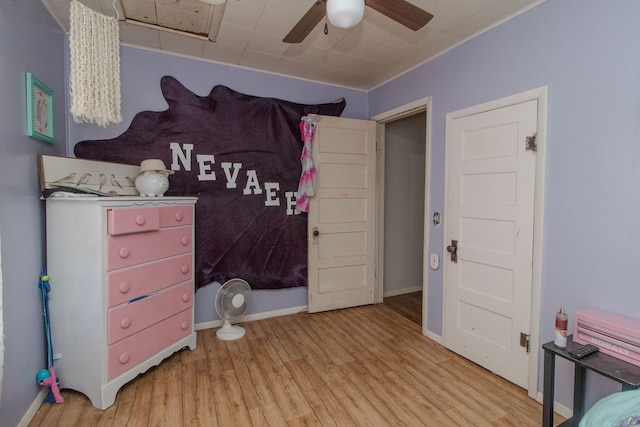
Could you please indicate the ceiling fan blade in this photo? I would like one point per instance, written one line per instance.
(402, 12)
(307, 23)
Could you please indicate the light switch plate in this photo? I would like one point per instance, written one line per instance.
(434, 261)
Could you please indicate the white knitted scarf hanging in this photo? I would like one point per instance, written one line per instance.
(95, 67)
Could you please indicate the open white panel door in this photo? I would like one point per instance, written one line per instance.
(341, 220)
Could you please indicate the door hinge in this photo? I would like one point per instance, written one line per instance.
(525, 341)
(531, 143)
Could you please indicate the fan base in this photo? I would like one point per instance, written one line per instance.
(230, 333)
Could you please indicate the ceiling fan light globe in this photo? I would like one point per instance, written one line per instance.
(214, 2)
(345, 13)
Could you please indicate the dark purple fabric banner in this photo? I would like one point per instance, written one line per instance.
(240, 155)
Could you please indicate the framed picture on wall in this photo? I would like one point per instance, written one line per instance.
(39, 110)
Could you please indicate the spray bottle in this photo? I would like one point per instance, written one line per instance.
(560, 338)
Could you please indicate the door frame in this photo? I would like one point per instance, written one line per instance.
(418, 106)
(541, 95)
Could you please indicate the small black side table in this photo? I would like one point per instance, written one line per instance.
(618, 370)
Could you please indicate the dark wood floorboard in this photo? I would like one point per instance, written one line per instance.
(407, 305)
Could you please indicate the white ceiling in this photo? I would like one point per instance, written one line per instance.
(249, 33)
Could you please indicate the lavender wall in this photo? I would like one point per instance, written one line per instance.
(29, 41)
(589, 56)
(141, 71)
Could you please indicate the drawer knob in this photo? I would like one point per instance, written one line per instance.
(124, 357)
(124, 287)
(124, 252)
(185, 269)
(184, 241)
(184, 325)
(186, 297)
(140, 220)
(179, 216)
(125, 323)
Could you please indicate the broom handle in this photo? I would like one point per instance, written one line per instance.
(55, 390)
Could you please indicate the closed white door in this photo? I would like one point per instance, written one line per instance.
(341, 219)
(489, 216)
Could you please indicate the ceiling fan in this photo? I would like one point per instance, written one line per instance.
(348, 13)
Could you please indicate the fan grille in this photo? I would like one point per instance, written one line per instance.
(233, 299)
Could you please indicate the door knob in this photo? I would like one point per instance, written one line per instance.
(316, 233)
(453, 250)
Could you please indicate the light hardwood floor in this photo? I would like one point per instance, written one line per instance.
(364, 366)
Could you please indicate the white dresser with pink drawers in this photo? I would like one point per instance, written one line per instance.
(121, 300)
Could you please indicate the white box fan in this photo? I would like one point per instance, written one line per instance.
(232, 301)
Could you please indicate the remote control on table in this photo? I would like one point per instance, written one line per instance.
(583, 351)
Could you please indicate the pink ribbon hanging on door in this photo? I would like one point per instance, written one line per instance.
(307, 184)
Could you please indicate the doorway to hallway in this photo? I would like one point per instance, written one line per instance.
(403, 153)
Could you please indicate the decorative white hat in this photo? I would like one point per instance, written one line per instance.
(154, 165)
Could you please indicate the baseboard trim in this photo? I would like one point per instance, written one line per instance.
(33, 409)
(252, 317)
(558, 408)
(403, 291)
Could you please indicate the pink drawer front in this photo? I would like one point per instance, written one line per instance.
(172, 216)
(132, 249)
(136, 349)
(126, 284)
(132, 220)
(128, 319)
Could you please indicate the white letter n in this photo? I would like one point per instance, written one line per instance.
(185, 157)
